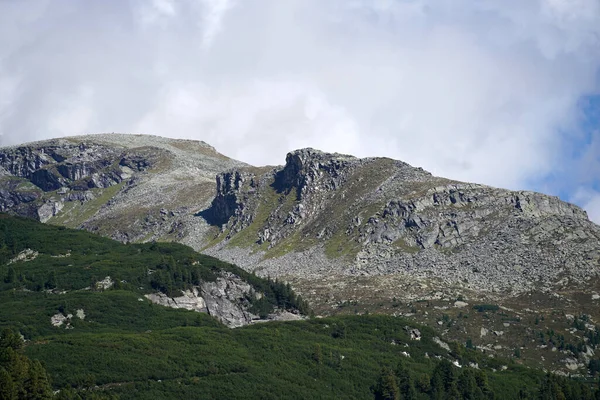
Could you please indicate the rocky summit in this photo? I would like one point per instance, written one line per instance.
(129, 187)
(324, 215)
(320, 216)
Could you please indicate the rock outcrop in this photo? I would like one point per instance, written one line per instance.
(324, 214)
(224, 299)
(129, 187)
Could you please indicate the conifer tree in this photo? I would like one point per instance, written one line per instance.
(8, 389)
(387, 388)
(405, 382)
(37, 386)
(11, 275)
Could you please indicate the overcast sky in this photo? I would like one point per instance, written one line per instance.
(501, 92)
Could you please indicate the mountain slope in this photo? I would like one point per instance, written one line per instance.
(318, 216)
(351, 235)
(377, 235)
(68, 274)
(129, 187)
(324, 214)
(101, 341)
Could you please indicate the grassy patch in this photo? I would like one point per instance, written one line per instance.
(341, 245)
(216, 237)
(269, 201)
(74, 214)
(401, 245)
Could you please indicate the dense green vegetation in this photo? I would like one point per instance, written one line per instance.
(20, 377)
(339, 357)
(129, 348)
(71, 260)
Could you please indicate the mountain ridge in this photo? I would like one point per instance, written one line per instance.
(335, 211)
(350, 235)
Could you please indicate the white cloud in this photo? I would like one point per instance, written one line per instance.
(270, 117)
(478, 91)
(590, 201)
(75, 113)
(150, 12)
(212, 20)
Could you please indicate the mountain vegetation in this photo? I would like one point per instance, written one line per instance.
(502, 285)
(113, 343)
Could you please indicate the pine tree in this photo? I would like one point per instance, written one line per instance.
(318, 354)
(423, 383)
(10, 339)
(469, 344)
(11, 275)
(387, 388)
(467, 386)
(8, 389)
(437, 390)
(37, 386)
(51, 281)
(405, 382)
(550, 389)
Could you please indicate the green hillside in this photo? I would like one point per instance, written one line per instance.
(129, 348)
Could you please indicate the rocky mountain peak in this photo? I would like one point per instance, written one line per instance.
(377, 216)
(128, 187)
(305, 166)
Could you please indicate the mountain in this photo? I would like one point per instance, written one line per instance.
(328, 214)
(499, 268)
(79, 321)
(129, 187)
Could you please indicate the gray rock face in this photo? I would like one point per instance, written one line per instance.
(34, 172)
(230, 198)
(224, 299)
(15, 199)
(324, 214)
(189, 300)
(63, 164)
(128, 187)
(49, 210)
(304, 168)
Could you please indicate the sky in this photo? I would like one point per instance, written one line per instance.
(500, 92)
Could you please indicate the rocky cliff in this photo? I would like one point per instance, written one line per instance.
(129, 187)
(329, 214)
(225, 299)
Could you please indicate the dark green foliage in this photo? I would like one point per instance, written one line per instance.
(469, 344)
(552, 388)
(594, 366)
(137, 350)
(10, 340)
(450, 382)
(406, 385)
(165, 267)
(274, 360)
(20, 377)
(11, 275)
(8, 388)
(274, 292)
(51, 281)
(486, 307)
(386, 387)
